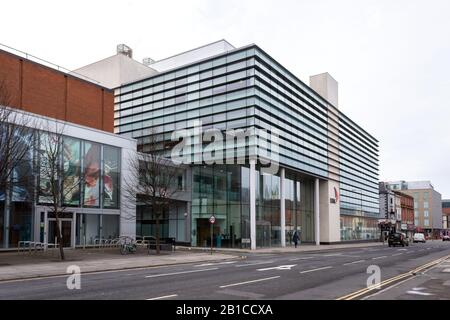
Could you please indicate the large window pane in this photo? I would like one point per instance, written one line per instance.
(110, 226)
(72, 171)
(111, 178)
(91, 174)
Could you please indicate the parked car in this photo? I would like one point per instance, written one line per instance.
(398, 238)
(419, 237)
(446, 238)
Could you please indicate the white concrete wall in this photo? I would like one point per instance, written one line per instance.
(325, 85)
(330, 222)
(127, 206)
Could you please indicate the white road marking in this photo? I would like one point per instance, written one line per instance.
(388, 288)
(247, 282)
(419, 293)
(302, 258)
(212, 263)
(382, 257)
(446, 270)
(287, 267)
(359, 261)
(164, 297)
(253, 264)
(397, 254)
(312, 270)
(181, 272)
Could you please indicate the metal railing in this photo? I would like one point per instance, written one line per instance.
(46, 63)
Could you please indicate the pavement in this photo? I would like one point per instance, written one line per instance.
(24, 265)
(299, 275)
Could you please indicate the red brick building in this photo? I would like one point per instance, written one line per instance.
(407, 211)
(37, 88)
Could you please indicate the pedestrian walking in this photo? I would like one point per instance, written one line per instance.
(295, 238)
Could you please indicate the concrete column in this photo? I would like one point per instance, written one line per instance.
(282, 208)
(317, 211)
(253, 204)
(6, 219)
(188, 223)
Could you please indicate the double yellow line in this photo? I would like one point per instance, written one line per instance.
(411, 273)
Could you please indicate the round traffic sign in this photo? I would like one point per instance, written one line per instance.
(212, 219)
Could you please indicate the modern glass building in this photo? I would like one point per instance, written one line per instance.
(326, 185)
(93, 164)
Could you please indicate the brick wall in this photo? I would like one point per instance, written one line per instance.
(38, 89)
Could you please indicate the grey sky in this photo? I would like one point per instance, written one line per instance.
(391, 58)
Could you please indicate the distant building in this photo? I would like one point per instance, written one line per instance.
(407, 212)
(446, 215)
(427, 205)
(388, 210)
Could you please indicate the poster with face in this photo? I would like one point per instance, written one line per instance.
(91, 174)
(72, 171)
(111, 176)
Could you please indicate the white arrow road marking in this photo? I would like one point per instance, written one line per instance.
(247, 282)
(287, 267)
(164, 297)
(182, 272)
(312, 270)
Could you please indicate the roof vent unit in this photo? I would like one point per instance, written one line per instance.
(148, 61)
(125, 50)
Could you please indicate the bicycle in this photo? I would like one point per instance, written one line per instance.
(127, 245)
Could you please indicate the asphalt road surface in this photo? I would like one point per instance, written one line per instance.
(325, 275)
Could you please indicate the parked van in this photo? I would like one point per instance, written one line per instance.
(419, 237)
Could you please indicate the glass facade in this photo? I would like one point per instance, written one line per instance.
(91, 176)
(241, 89)
(172, 221)
(359, 228)
(224, 191)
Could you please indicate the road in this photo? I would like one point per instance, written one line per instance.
(324, 275)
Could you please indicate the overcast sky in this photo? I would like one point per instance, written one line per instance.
(391, 58)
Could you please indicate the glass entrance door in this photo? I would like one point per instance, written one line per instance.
(66, 231)
(65, 226)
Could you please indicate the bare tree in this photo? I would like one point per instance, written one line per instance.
(56, 184)
(14, 125)
(16, 141)
(153, 182)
